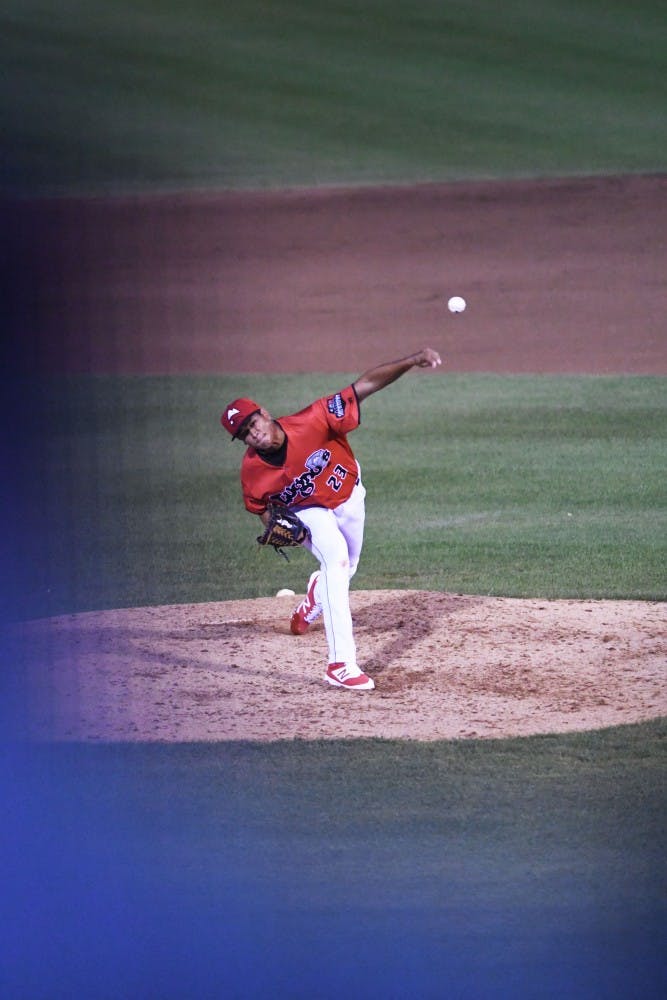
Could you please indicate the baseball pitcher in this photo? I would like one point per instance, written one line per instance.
(300, 476)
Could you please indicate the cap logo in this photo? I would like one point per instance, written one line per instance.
(236, 415)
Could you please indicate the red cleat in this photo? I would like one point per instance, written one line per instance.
(342, 675)
(308, 610)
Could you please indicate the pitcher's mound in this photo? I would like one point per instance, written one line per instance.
(445, 667)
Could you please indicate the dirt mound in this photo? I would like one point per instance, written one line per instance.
(445, 666)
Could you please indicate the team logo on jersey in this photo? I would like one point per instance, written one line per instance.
(336, 405)
(303, 486)
(318, 461)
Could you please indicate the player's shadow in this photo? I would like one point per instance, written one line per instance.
(411, 618)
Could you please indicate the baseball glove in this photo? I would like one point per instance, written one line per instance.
(283, 529)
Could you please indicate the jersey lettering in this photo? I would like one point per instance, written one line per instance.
(301, 486)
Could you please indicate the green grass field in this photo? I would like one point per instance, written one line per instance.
(549, 487)
(528, 868)
(371, 869)
(253, 93)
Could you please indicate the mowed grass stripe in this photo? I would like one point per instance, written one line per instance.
(249, 93)
(514, 486)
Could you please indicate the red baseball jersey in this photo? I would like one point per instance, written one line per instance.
(318, 468)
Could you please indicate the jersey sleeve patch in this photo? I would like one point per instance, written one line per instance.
(336, 405)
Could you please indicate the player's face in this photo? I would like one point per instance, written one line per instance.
(259, 432)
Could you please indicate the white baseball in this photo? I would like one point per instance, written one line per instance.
(285, 592)
(456, 304)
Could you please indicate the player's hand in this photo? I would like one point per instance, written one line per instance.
(428, 358)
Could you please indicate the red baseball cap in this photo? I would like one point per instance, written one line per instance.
(237, 413)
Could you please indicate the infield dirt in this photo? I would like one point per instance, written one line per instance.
(559, 275)
(446, 667)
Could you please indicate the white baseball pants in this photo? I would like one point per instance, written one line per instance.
(336, 539)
